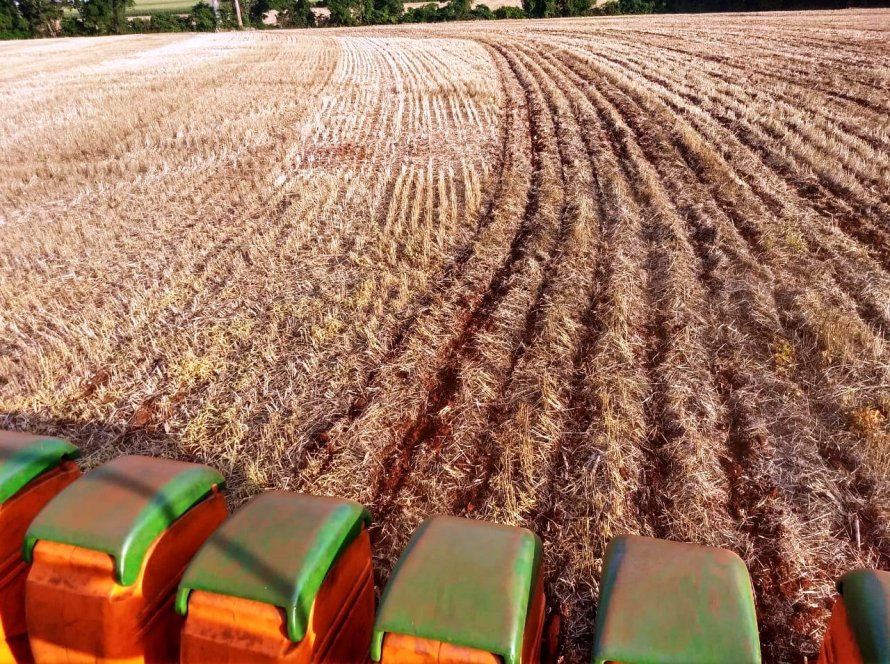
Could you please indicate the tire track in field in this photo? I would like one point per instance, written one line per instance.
(695, 168)
(544, 512)
(855, 286)
(558, 498)
(742, 449)
(828, 199)
(482, 464)
(431, 429)
(746, 491)
(771, 76)
(841, 461)
(746, 486)
(444, 385)
(866, 147)
(786, 74)
(661, 466)
(664, 430)
(732, 199)
(452, 272)
(583, 407)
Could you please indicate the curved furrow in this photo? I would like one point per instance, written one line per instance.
(647, 138)
(679, 426)
(812, 147)
(482, 351)
(355, 330)
(790, 97)
(461, 310)
(829, 105)
(767, 66)
(790, 268)
(675, 444)
(486, 454)
(862, 279)
(542, 443)
(591, 276)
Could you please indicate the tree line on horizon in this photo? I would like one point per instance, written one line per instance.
(20, 19)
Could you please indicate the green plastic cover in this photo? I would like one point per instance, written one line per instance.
(663, 602)
(463, 582)
(866, 594)
(122, 507)
(24, 456)
(277, 550)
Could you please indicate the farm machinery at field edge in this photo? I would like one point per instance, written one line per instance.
(139, 561)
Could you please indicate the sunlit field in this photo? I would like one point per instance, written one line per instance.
(588, 276)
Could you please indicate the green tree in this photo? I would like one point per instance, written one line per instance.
(363, 12)
(12, 24)
(295, 14)
(103, 16)
(367, 12)
(203, 18)
(482, 12)
(540, 8)
(509, 12)
(428, 13)
(42, 16)
(636, 6)
(300, 13)
(166, 22)
(573, 7)
(388, 11)
(457, 10)
(258, 9)
(341, 12)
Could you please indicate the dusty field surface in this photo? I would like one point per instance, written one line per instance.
(590, 277)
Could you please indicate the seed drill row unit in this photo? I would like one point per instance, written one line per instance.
(139, 561)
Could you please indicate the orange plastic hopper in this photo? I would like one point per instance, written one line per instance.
(108, 553)
(33, 469)
(464, 592)
(859, 630)
(288, 579)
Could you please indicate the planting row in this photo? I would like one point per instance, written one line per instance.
(139, 561)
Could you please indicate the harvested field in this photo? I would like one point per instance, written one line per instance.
(588, 276)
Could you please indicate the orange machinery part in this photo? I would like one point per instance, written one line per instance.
(839, 645)
(221, 629)
(404, 649)
(16, 515)
(78, 612)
